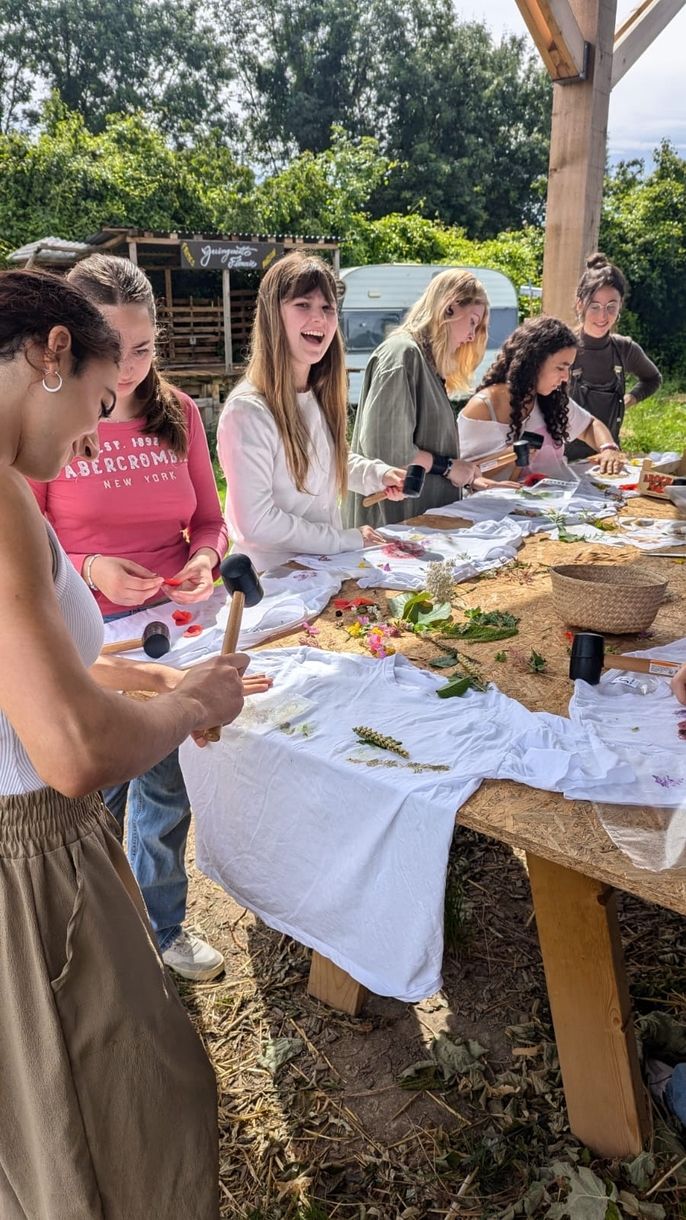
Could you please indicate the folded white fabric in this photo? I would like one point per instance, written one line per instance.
(638, 718)
(290, 598)
(345, 846)
(402, 562)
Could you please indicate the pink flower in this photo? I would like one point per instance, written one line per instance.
(310, 630)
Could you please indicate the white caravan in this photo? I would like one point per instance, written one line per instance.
(378, 297)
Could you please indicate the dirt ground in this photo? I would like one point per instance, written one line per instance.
(334, 1133)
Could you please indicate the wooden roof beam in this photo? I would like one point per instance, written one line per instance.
(641, 28)
(556, 33)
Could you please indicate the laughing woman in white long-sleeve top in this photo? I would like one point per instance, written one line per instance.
(281, 436)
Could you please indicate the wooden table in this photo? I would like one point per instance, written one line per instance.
(574, 868)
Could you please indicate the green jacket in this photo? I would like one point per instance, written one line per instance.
(403, 407)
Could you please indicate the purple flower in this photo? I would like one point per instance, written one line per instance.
(667, 781)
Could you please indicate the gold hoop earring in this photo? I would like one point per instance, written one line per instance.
(52, 389)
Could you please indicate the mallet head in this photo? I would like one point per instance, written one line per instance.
(521, 452)
(587, 657)
(156, 640)
(413, 483)
(533, 439)
(239, 576)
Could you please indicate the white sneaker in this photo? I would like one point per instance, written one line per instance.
(193, 958)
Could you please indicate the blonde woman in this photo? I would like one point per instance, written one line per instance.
(405, 415)
(281, 436)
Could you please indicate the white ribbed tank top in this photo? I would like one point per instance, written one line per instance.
(85, 625)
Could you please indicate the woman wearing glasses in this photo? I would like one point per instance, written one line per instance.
(603, 358)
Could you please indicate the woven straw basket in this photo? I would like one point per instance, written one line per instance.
(600, 597)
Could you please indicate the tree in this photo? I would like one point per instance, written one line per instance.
(643, 230)
(15, 79)
(465, 120)
(70, 182)
(119, 56)
(302, 69)
(323, 193)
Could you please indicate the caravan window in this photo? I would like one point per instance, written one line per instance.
(365, 329)
(501, 324)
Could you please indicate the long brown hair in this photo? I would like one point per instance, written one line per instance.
(270, 367)
(109, 280)
(428, 319)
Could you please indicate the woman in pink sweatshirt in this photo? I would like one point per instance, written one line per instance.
(144, 512)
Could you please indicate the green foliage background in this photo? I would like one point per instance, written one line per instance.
(409, 134)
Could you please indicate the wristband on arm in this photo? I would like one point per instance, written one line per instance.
(442, 465)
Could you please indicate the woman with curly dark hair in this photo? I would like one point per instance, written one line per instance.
(525, 389)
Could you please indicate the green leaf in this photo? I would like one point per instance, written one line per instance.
(444, 662)
(278, 1051)
(482, 626)
(419, 611)
(640, 1170)
(537, 662)
(456, 687)
(456, 1058)
(588, 1198)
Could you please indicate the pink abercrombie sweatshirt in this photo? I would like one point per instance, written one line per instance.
(137, 500)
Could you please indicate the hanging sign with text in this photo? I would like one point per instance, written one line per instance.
(229, 255)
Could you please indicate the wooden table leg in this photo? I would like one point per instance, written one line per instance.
(589, 1000)
(334, 987)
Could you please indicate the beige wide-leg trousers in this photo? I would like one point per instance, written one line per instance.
(107, 1099)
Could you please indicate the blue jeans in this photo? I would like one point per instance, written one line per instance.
(159, 816)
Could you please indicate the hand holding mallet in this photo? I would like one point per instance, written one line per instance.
(243, 584)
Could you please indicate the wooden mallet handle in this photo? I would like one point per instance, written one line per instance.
(121, 646)
(375, 499)
(231, 634)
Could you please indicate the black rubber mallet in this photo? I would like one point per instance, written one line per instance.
(155, 642)
(243, 585)
(413, 485)
(588, 660)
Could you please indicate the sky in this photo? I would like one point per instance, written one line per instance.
(648, 104)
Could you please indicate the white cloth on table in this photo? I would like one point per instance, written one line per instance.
(648, 730)
(637, 716)
(351, 858)
(290, 598)
(485, 546)
(536, 509)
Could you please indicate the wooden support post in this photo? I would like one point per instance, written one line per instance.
(577, 162)
(133, 252)
(554, 29)
(639, 30)
(334, 987)
(169, 301)
(226, 302)
(591, 1010)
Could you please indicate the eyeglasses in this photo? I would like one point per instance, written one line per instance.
(612, 310)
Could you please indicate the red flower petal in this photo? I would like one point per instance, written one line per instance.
(172, 582)
(181, 617)
(196, 629)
